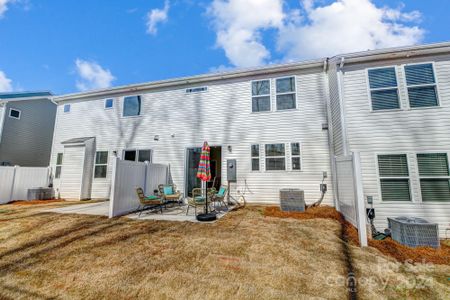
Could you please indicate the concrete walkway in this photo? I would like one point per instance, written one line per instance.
(98, 209)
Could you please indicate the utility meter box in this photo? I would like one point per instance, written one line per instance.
(231, 170)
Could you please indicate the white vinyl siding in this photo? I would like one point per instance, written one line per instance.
(405, 131)
(434, 176)
(394, 177)
(223, 117)
(383, 88)
(421, 83)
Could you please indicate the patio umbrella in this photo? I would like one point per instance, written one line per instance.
(204, 174)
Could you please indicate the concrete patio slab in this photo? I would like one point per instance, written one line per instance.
(98, 209)
(174, 213)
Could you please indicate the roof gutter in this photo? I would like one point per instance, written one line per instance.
(133, 88)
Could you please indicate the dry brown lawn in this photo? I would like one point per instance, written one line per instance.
(245, 255)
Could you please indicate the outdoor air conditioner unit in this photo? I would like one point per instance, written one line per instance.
(292, 200)
(40, 193)
(414, 232)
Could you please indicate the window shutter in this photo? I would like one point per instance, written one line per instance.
(382, 78)
(433, 164)
(419, 74)
(393, 165)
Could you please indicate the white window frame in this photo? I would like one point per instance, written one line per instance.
(430, 177)
(409, 177)
(255, 157)
(286, 93)
(435, 84)
(369, 90)
(99, 165)
(69, 106)
(59, 165)
(123, 106)
(137, 153)
(285, 156)
(295, 156)
(257, 96)
(12, 117)
(106, 100)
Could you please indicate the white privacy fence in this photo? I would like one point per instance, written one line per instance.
(127, 176)
(15, 181)
(350, 194)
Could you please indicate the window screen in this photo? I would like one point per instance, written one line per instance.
(261, 95)
(383, 89)
(275, 157)
(434, 177)
(131, 106)
(394, 177)
(421, 83)
(286, 97)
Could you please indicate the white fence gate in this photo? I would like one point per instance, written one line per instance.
(15, 181)
(350, 193)
(127, 176)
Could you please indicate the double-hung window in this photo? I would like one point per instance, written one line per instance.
(67, 108)
(132, 106)
(421, 82)
(275, 157)
(434, 176)
(59, 161)
(14, 113)
(383, 88)
(295, 156)
(394, 177)
(109, 103)
(286, 95)
(101, 164)
(261, 95)
(255, 157)
(138, 155)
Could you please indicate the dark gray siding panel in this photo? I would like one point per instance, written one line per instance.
(28, 141)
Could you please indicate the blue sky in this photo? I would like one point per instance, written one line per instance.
(68, 46)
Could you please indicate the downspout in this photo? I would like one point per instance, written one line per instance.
(333, 174)
(2, 120)
(340, 82)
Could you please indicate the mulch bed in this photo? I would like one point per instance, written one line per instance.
(34, 202)
(387, 246)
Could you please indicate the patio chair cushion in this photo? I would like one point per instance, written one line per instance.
(168, 190)
(221, 192)
(199, 199)
(152, 197)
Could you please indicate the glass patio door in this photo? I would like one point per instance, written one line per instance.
(193, 159)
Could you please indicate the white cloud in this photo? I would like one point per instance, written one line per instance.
(348, 26)
(92, 75)
(309, 31)
(155, 17)
(4, 6)
(238, 25)
(5, 83)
